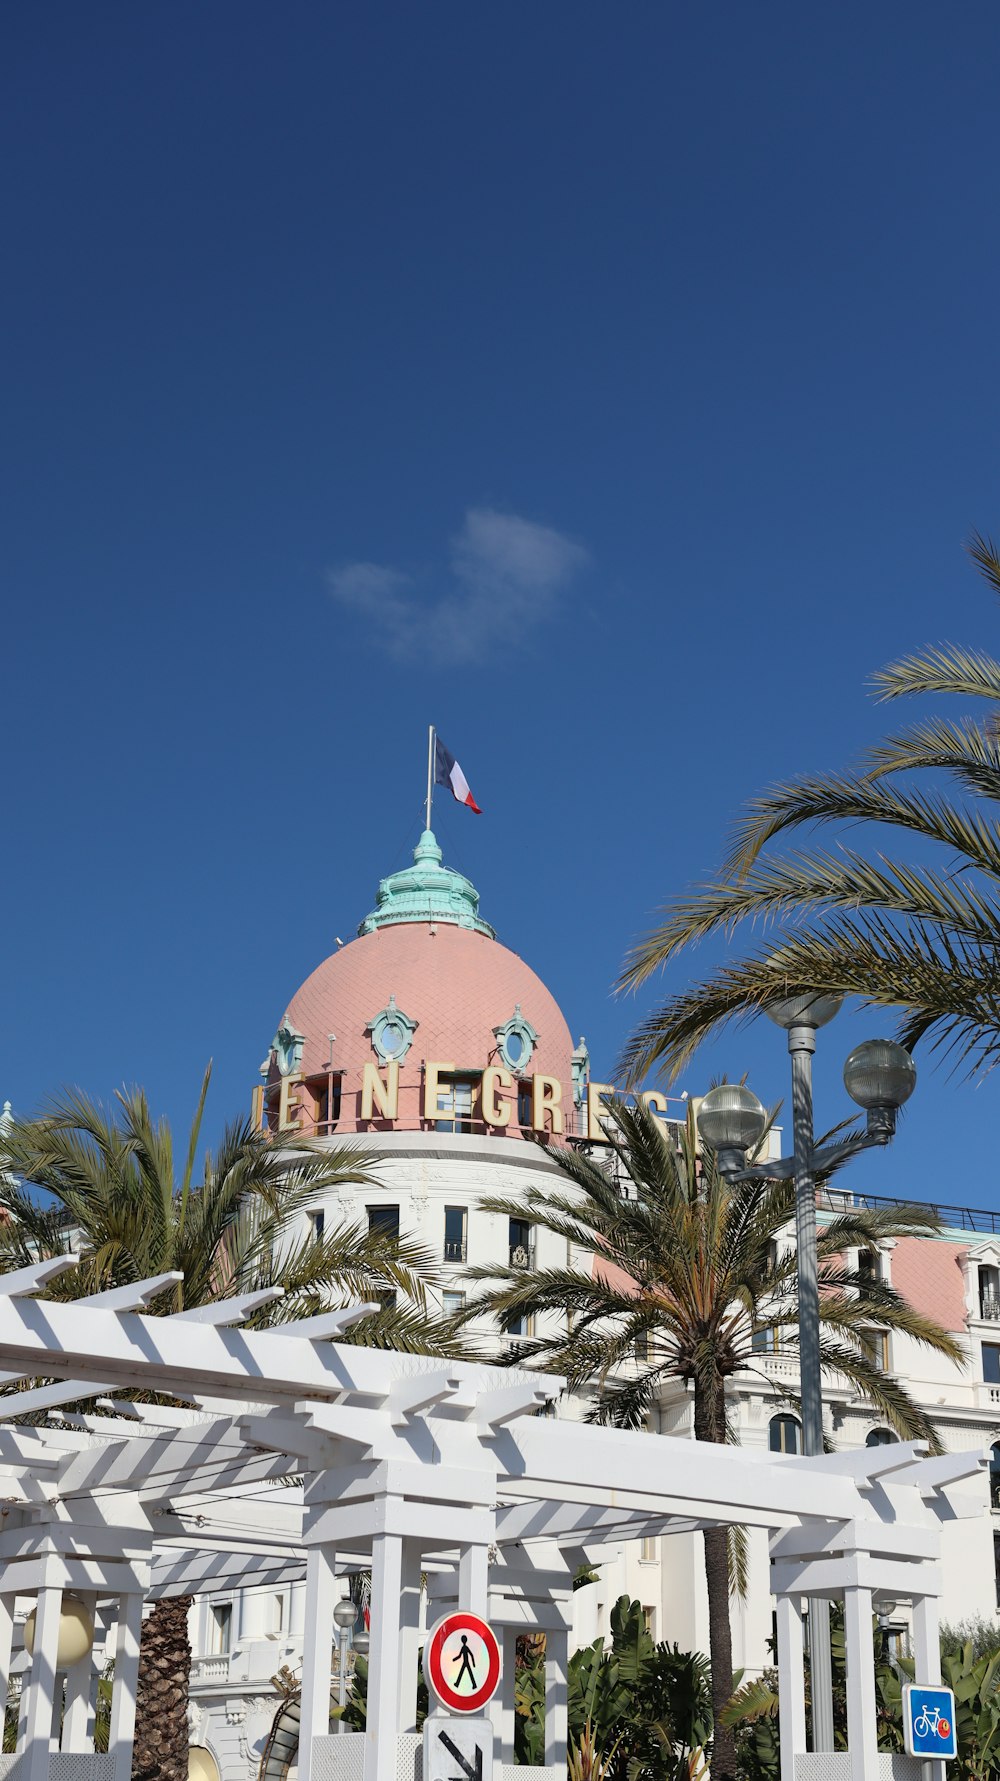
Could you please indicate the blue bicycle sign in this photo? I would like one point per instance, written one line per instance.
(929, 1721)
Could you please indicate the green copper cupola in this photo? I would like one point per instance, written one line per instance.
(426, 891)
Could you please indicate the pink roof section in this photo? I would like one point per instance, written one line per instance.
(928, 1274)
(457, 984)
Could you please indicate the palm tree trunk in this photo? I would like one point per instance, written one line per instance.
(709, 1425)
(160, 1751)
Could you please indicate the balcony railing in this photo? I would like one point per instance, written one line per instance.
(455, 1249)
(210, 1669)
(989, 1307)
(522, 1255)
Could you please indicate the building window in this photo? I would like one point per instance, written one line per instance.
(455, 1227)
(516, 1040)
(384, 1222)
(875, 1344)
(647, 1550)
(317, 1225)
(277, 1616)
(989, 1293)
(869, 1267)
(453, 1112)
(991, 1363)
(391, 1032)
(519, 1243)
(518, 1324)
(784, 1434)
(220, 1628)
(765, 1342)
(880, 1438)
(649, 1621)
(452, 1302)
(995, 1475)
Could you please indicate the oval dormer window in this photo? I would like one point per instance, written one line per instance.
(516, 1040)
(391, 1033)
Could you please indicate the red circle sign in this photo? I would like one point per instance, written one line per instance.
(462, 1662)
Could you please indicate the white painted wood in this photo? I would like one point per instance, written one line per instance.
(123, 1691)
(227, 1313)
(322, 1591)
(39, 1689)
(409, 1635)
(862, 1722)
(927, 1662)
(473, 1579)
(791, 1682)
(383, 1666)
(6, 1639)
(556, 1673)
(926, 1640)
(408, 1397)
(78, 1718)
(21, 1281)
(501, 1707)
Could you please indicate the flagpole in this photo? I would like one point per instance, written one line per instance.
(430, 771)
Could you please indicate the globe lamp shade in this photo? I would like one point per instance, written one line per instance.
(362, 1641)
(880, 1073)
(76, 1633)
(731, 1118)
(804, 1011)
(345, 1614)
(202, 1765)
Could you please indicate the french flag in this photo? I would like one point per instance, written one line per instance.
(448, 772)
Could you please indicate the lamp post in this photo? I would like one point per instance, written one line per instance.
(345, 1613)
(879, 1075)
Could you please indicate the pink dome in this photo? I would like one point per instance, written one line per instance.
(453, 985)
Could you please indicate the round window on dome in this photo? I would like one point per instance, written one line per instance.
(391, 1033)
(516, 1040)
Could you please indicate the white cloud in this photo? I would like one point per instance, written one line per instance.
(506, 574)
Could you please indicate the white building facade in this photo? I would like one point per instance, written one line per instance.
(429, 1042)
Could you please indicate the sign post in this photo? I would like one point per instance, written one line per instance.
(457, 1749)
(929, 1722)
(461, 1667)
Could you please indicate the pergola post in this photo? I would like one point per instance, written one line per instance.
(79, 1715)
(409, 1635)
(6, 1642)
(927, 1658)
(473, 1579)
(791, 1682)
(123, 1690)
(556, 1683)
(503, 1714)
(317, 1652)
(40, 1688)
(382, 1727)
(862, 1721)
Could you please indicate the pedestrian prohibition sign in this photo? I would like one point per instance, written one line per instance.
(462, 1662)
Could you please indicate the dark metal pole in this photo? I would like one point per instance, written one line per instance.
(801, 1045)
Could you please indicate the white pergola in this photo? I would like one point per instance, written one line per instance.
(410, 1466)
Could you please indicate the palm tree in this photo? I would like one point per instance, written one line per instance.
(923, 937)
(682, 1272)
(117, 1200)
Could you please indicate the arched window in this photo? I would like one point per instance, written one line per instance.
(995, 1475)
(784, 1434)
(880, 1438)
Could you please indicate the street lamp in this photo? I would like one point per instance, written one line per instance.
(344, 1614)
(880, 1076)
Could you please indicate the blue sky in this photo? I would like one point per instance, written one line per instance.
(612, 386)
